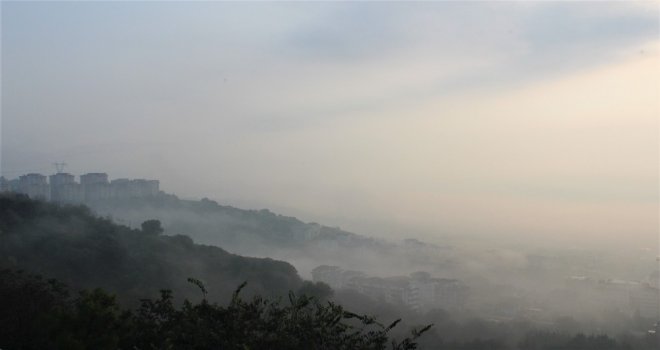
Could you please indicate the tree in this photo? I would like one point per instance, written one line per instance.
(318, 290)
(152, 227)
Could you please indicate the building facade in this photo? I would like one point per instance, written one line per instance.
(63, 188)
(34, 185)
(419, 291)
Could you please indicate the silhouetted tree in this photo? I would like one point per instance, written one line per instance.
(152, 227)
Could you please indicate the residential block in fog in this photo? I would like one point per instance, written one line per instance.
(630, 297)
(34, 185)
(419, 291)
(63, 188)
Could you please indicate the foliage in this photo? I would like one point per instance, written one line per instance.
(40, 314)
(94, 320)
(152, 227)
(207, 221)
(84, 251)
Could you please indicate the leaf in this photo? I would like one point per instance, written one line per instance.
(392, 325)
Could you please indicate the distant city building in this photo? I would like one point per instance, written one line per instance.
(125, 188)
(121, 188)
(14, 185)
(631, 297)
(426, 292)
(63, 188)
(646, 301)
(419, 291)
(61, 179)
(93, 179)
(144, 188)
(7, 185)
(393, 290)
(34, 185)
(96, 186)
(4, 184)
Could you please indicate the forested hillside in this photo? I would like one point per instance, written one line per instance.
(208, 220)
(85, 251)
(266, 234)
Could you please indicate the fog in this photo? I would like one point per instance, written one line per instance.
(497, 160)
(599, 289)
(488, 120)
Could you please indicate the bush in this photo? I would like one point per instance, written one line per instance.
(94, 320)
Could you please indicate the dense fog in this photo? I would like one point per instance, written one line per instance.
(487, 168)
(506, 294)
(502, 281)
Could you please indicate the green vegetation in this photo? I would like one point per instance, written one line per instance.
(41, 315)
(209, 222)
(72, 245)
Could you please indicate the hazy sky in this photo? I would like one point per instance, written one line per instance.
(443, 118)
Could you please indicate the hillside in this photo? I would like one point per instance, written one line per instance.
(84, 251)
(266, 234)
(233, 225)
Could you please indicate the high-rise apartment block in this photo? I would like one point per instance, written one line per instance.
(419, 291)
(34, 185)
(96, 186)
(63, 188)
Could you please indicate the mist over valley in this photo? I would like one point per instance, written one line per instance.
(329, 175)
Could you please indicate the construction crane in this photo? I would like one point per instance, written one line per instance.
(59, 167)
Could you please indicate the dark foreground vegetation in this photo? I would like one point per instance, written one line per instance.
(40, 314)
(84, 251)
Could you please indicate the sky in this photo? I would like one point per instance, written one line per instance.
(429, 119)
